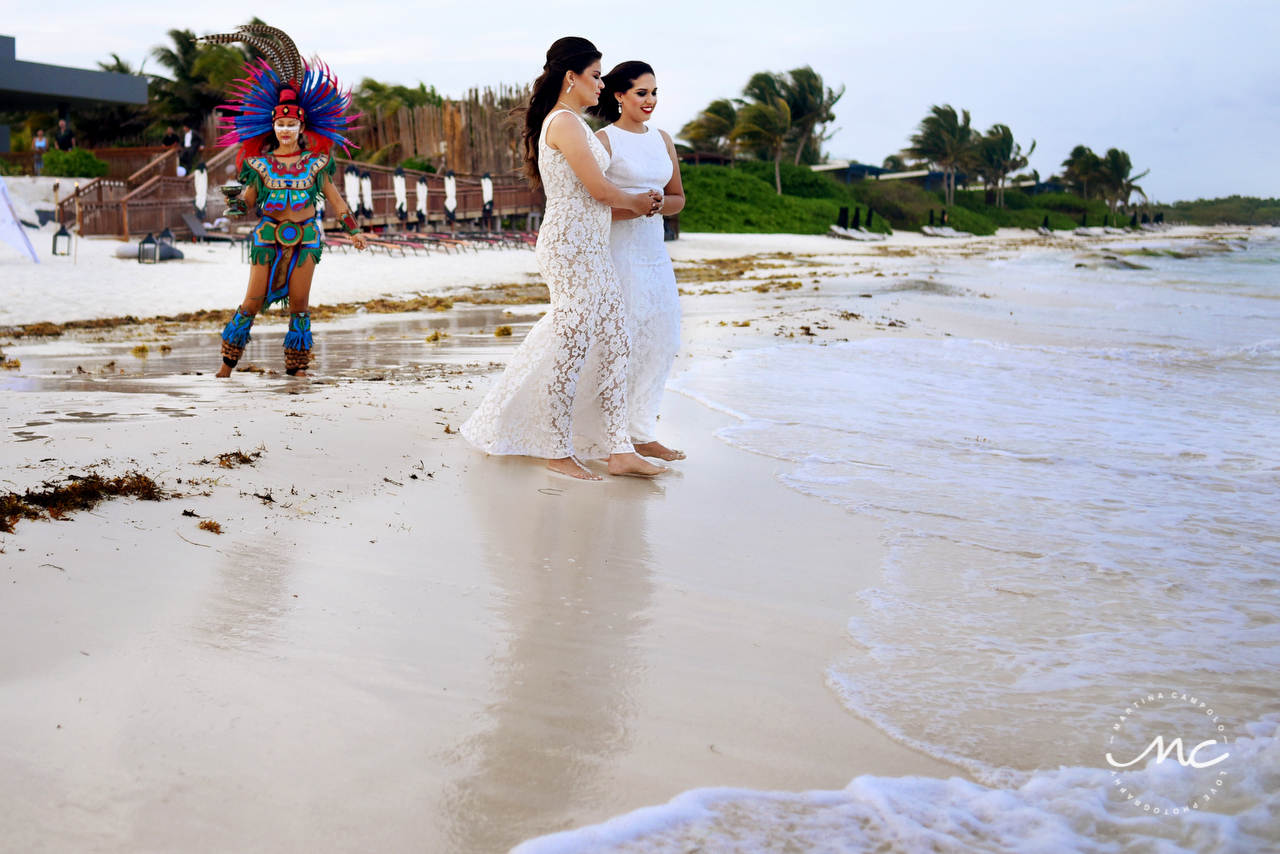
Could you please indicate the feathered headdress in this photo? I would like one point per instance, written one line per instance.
(283, 85)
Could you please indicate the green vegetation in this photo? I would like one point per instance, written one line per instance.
(1109, 177)
(782, 114)
(420, 164)
(1233, 210)
(76, 163)
(745, 200)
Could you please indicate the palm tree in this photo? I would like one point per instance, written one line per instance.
(1082, 167)
(766, 124)
(713, 128)
(187, 94)
(945, 139)
(1115, 180)
(810, 105)
(997, 155)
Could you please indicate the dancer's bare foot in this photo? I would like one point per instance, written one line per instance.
(569, 467)
(659, 450)
(300, 373)
(633, 465)
(224, 372)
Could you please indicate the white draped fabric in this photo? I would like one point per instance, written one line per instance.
(366, 193)
(402, 196)
(351, 189)
(422, 196)
(11, 229)
(450, 193)
(200, 180)
(486, 189)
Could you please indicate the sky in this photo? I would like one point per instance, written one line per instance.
(1189, 89)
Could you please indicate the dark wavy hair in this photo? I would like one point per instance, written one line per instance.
(619, 80)
(570, 53)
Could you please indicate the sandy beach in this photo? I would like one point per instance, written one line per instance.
(397, 643)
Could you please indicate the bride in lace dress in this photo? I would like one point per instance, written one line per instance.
(643, 159)
(563, 395)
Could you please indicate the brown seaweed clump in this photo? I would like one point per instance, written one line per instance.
(211, 526)
(80, 493)
(233, 459)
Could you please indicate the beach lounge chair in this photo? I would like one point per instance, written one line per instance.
(200, 234)
(858, 234)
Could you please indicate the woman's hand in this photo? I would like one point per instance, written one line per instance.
(360, 241)
(658, 199)
(643, 204)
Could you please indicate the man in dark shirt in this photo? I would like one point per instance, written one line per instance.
(170, 137)
(64, 139)
(192, 145)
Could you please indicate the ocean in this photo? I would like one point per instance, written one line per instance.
(1083, 558)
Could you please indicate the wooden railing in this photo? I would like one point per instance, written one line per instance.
(150, 200)
(511, 195)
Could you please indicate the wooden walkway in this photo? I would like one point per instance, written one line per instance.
(152, 199)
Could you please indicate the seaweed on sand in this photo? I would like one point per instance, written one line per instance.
(79, 493)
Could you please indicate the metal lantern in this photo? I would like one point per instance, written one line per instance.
(166, 237)
(62, 241)
(148, 250)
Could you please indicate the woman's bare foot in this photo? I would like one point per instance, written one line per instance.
(569, 467)
(300, 373)
(224, 372)
(659, 450)
(634, 466)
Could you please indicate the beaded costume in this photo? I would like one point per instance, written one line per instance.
(282, 86)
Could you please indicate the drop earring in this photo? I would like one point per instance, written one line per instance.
(570, 89)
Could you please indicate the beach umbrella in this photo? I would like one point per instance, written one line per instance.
(930, 217)
(351, 189)
(402, 194)
(870, 214)
(200, 181)
(486, 195)
(1045, 224)
(842, 219)
(366, 192)
(450, 196)
(1133, 223)
(1084, 220)
(944, 217)
(422, 199)
(857, 219)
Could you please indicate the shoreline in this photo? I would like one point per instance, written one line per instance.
(468, 633)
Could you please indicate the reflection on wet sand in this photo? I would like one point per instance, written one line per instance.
(252, 585)
(566, 682)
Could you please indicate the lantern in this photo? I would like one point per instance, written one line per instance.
(62, 241)
(166, 237)
(148, 250)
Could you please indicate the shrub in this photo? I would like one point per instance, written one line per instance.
(420, 164)
(734, 201)
(76, 163)
(1233, 210)
(799, 181)
(8, 167)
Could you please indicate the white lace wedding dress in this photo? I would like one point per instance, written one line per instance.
(640, 163)
(564, 391)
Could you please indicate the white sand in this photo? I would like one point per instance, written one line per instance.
(370, 661)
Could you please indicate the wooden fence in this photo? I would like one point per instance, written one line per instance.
(121, 162)
(471, 136)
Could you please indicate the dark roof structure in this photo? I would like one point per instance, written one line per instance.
(35, 86)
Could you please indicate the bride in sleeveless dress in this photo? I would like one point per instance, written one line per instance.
(643, 159)
(563, 395)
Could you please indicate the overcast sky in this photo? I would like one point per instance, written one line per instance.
(1189, 89)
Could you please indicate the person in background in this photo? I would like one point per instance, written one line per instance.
(65, 139)
(192, 145)
(171, 137)
(39, 146)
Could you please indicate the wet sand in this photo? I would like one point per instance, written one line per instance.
(398, 643)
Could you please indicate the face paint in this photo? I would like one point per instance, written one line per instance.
(286, 127)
